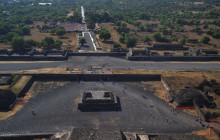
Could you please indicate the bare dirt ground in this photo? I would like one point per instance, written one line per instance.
(4, 87)
(114, 36)
(5, 46)
(69, 39)
(178, 80)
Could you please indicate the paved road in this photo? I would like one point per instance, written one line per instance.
(56, 111)
(113, 63)
(83, 13)
(88, 46)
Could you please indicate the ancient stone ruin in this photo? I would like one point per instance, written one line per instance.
(185, 97)
(93, 100)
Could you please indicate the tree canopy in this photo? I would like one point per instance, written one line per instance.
(82, 40)
(104, 34)
(18, 43)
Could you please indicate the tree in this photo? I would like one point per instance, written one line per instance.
(28, 21)
(122, 39)
(82, 40)
(157, 36)
(47, 43)
(146, 38)
(205, 39)
(10, 35)
(44, 27)
(18, 43)
(118, 23)
(57, 44)
(18, 31)
(130, 41)
(183, 41)
(60, 32)
(141, 28)
(90, 24)
(197, 30)
(117, 45)
(26, 30)
(205, 26)
(104, 34)
(165, 31)
(30, 43)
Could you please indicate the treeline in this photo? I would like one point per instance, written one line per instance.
(20, 45)
(17, 17)
(149, 10)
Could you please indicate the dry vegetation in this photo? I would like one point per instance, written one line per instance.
(43, 87)
(178, 80)
(114, 36)
(20, 84)
(140, 35)
(4, 87)
(69, 39)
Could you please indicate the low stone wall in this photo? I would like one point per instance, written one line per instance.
(115, 54)
(174, 58)
(97, 77)
(168, 48)
(23, 88)
(216, 130)
(165, 84)
(33, 58)
(6, 79)
(201, 114)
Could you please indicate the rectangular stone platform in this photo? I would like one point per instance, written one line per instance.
(92, 100)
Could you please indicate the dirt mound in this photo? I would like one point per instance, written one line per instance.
(185, 97)
(7, 97)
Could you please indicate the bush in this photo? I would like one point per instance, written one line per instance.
(205, 39)
(183, 41)
(104, 34)
(130, 41)
(213, 82)
(157, 37)
(146, 38)
(117, 45)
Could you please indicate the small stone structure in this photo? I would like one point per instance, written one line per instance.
(93, 100)
(138, 51)
(192, 41)
(109, 134)
(201, 52)
(159, 46)
(6, 79)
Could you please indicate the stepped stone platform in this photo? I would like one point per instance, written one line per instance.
(96, 100)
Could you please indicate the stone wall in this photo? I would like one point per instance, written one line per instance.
(165, 84)
(98, 54)
(174, 58)
(98, 77)
(201, 114)
(33, 58)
